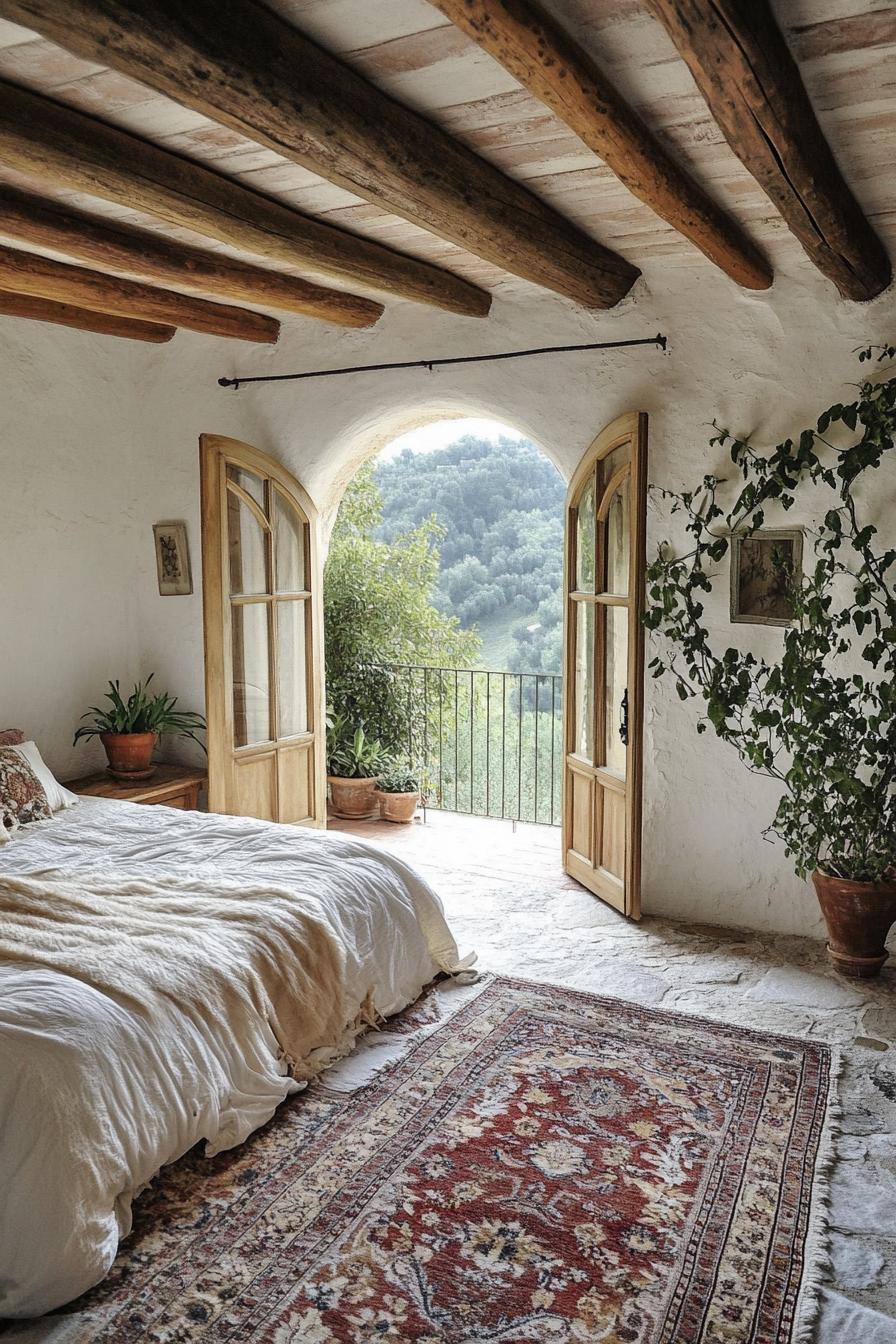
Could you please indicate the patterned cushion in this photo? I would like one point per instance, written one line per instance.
(11, 737)
(22, 797)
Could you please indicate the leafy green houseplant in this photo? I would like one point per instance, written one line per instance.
(821, 718)
(354, 762)
(398, 792)
(129, 729)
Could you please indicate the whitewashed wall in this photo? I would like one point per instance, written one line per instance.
(98, 440)
(67, 615)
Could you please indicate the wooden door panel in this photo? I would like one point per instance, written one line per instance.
(254, 787)
(262, 607)
(608, 887)
(611, 855)
(296, 779)
(604, 579)
(582, 815)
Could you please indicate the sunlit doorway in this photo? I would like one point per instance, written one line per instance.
(444, 616)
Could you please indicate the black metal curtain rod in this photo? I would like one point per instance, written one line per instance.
(437, 363)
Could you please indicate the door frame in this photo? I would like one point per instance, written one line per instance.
(216, 451)
(630, 427)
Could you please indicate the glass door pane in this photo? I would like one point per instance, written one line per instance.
(289, 545)
(615, 675)
(608, 466)
(246, 548)
(248, 481)
(583, 692)
(251, 673)
(617, 541)
(292, 682)
(584, 581)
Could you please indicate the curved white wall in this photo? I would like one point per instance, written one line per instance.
(98, 440)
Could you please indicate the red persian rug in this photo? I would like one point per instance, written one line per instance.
(541, 1166)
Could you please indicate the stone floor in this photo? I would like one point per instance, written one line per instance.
(507, 898)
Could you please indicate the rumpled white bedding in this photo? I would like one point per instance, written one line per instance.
(91, 1103)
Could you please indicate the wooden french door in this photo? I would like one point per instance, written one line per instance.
(604, 654)
(262, 605)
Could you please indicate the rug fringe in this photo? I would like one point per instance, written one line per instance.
(817, 1264)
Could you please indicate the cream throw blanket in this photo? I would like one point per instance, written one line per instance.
(217, 956)
(161, 975)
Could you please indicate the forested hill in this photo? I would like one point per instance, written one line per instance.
(502, 554)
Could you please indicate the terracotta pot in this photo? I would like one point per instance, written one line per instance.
(352, 797)
(130, 754)
(858, 916)
(397, 806)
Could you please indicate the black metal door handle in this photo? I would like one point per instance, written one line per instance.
(623, 722)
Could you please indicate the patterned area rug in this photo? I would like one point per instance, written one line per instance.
(541, 1166)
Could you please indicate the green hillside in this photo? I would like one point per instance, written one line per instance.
(501, 507)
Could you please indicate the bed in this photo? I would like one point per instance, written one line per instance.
(169, 977)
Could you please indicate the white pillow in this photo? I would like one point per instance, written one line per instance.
(57, 796)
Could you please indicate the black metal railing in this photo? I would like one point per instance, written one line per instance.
(488, 744)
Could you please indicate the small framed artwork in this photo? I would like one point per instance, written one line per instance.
(764, 567)
(173, 559)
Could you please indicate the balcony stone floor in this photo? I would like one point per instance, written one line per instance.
(507, 897)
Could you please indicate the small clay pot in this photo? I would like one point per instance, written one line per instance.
(130, 754)
(858, 916)
(352, 798)
(397, 806)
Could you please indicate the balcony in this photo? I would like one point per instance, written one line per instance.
(460, 853)
(486, 744)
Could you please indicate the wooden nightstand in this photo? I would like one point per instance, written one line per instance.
(173, 785)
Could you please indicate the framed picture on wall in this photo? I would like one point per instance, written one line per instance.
(173, 559)
(764, 567)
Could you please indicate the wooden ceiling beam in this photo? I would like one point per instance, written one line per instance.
(249, 69)
(58, 282)
(553, 66)
(153, 258)
(67, 315)
(752, 86)
(50, 141)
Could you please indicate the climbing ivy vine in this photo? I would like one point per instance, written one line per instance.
(821, 719)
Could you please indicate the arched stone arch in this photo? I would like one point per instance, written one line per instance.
(365, 439)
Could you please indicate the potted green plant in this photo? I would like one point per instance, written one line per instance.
(398, 792)
(130, 729)
(354, 761)
(821, 718)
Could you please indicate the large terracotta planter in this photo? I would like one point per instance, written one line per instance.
(858, 916)
(397, 806)
(352, 798)
(130, 754)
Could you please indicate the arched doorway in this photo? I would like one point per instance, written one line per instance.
(266, 683)
(461, 678)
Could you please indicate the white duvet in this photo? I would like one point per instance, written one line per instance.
(92, 1103)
